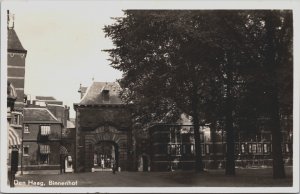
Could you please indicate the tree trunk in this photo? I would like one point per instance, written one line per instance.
(278, 165)
(213, 140)
(271, 66)
(196, 123)
(198, 151)
(230, 164)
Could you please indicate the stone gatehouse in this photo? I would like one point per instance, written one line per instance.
(103, 129)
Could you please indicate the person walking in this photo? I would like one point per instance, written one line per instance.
(114, 166)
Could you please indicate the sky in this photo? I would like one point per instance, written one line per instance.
(64, 40)
(64, 43)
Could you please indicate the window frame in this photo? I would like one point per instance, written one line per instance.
(26, 146)
(26, 131)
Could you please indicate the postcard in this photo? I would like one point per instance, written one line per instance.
(149, 96)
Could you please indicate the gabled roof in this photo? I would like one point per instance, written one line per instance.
(36, 115)
(94, 95)
(13, 43)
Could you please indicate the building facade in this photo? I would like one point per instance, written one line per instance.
(48, 134)
(173, 147)
(103, 130)
(16, 55)
(41, 140)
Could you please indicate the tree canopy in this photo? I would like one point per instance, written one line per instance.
(231, 66)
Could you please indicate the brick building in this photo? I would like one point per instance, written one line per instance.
(103, 129)
(41, 139)
(172, 147)
(16, 55)
(48, 134)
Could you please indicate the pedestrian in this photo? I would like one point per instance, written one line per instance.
(114, 167)
(102, 163)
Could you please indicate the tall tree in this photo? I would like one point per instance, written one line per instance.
(206, 64)
(164, 56)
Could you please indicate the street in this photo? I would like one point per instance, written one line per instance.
(212, 178)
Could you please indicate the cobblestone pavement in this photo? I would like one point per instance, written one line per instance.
(211, 178)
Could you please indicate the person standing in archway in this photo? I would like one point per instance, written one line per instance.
(114, 166)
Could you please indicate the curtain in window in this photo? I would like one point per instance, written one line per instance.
(45, 130)
(44, 149)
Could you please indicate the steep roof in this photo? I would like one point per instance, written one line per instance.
(14, 44)
(94, 94)
(39, 115)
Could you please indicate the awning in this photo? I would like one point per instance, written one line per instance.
(14, 140)
(44, 149)
(63, 150)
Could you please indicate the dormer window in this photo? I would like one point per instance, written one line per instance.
(105, 95)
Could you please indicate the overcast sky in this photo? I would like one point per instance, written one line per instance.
(64, 39)
(64, 43)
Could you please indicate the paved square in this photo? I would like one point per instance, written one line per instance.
(212, 178)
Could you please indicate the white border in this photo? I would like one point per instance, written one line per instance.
(3, 126)
(167, 4)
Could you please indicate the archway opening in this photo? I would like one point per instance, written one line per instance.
(106, 155)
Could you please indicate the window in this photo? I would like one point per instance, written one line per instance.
(178, 149)
(259, 148)
(26, 129)
(253, 148)
(26, 150)
(207, 149)
(44, 149)
(105, 94)
(250, 148)
(173, 149)
(45, 130)
(242, 148)
(16, 120)
(44, 154)
(192, 149)
(266, 148)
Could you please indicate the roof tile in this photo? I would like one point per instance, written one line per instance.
(13, 43)
(94, 94)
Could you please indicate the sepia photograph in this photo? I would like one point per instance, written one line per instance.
(149, 96)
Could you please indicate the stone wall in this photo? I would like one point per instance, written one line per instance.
(98, 124)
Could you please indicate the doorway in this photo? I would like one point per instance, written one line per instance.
(105, 156)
